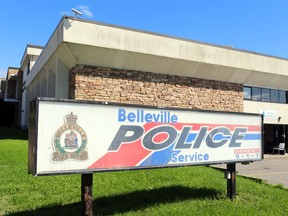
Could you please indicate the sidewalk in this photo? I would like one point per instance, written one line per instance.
(273, 169)
(275, 156)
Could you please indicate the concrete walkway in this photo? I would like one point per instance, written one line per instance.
(273, 169)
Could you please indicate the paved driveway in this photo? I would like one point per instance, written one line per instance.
(273, 169)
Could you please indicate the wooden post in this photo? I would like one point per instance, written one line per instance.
(86, 194)
(231, 181)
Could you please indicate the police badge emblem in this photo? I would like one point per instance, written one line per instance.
(69, 141)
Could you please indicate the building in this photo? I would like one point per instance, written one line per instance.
(2, 88)
(13, 85)
(29, 58)
(87, 60)
(11, 95)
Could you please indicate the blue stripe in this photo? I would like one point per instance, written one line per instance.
(221, 136)
(256, 136)
(160, 157)
(192, 137)
(252, 137)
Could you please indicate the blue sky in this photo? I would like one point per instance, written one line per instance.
(255, 25)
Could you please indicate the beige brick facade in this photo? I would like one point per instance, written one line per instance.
(134, 87)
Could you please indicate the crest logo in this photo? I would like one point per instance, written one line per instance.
(70, 141)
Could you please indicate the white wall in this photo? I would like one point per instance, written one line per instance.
(52, 81)
(278, 110)
(62, 80)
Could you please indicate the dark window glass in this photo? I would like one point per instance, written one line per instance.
(247, 92)
(256, 94)
(28, 68)
(282, 96)
(265, 94)
(274, 95)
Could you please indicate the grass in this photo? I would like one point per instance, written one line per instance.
(194, 190)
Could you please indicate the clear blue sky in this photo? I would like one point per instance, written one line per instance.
(255, 25)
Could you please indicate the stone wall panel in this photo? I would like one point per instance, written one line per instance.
(134, 87)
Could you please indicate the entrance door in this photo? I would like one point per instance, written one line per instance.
(278, 134)
(273, 135)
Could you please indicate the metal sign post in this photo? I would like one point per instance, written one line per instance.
(86, 194)
(231, 181)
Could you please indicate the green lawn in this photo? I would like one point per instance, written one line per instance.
(174, 191)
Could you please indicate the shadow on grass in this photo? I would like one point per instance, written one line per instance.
(13, 133)
(133, 201)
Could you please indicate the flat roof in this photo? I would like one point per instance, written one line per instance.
(78, 41)
(31, 50)
(174, 37)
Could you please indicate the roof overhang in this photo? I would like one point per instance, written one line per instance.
(12, 73)
(77, 41)
(31, 50)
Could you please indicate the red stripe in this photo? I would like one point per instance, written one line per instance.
(197, 126)
(128, 155)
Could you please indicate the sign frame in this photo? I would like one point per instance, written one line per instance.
(34, 117)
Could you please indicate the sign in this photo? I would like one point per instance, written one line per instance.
(269, 115)
(67, 136)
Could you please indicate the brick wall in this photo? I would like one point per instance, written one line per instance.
(134, 87)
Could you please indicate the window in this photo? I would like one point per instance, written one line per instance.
(282, 96)
(265, 94)
(256, 94)
(247, 92)
(274, 95)
(28, 68)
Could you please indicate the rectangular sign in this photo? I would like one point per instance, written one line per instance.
(79, 137)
